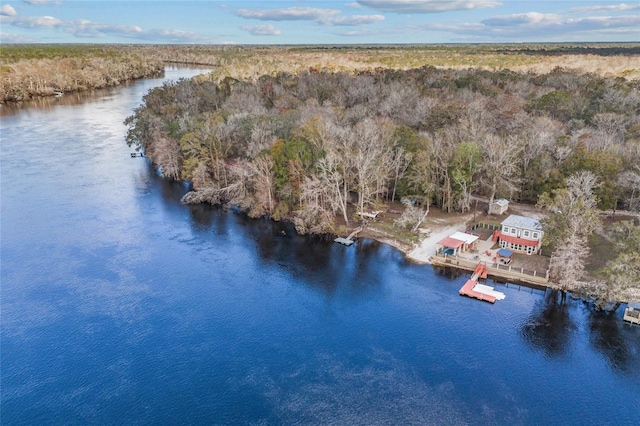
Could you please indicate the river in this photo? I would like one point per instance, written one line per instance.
(120, 305)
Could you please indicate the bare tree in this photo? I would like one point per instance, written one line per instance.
(399, 163)
(332, 178)
(630, 180)
(574, 217)
(263, 186)
(371, 153)
(413, 216)
(500, 164)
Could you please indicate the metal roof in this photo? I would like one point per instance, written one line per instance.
(522, 222)
(467, 238)
(515, 240)
(501, 202)
(504, 253)
(451, 243)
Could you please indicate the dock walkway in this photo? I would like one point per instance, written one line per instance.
(472, 288)
(349, 240)
(503, 272)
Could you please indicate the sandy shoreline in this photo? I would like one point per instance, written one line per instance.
(427, 247)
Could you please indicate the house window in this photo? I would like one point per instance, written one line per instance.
(513, 231)
(526, 233)
(505, 229)
(535, 235)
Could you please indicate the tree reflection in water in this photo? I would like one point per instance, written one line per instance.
(617, 341)
(550, 327)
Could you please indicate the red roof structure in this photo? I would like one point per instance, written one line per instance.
(516, 240)
(451, 243)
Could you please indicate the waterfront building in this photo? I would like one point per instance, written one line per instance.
(520, 233)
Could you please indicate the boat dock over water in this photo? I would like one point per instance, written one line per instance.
(472, 288)
(349, 240)
(632, 313)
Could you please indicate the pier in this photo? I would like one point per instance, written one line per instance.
(472, 288)
(349, 240)
(632, 313)
(495, 270)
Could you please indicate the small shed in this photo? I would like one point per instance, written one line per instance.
(499, 206)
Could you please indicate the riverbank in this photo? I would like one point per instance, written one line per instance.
(29, 72)
(421, 248)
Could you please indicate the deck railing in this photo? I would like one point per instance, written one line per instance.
(496, 269)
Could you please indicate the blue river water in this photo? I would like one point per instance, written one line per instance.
(120, 305)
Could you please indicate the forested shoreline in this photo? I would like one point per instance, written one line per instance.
(429, 134)
(28, 72)
(318, 147)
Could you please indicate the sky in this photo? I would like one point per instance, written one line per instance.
(318, 22)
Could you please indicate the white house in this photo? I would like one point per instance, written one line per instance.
(520, 233)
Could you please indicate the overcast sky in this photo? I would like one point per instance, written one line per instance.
(317, 22)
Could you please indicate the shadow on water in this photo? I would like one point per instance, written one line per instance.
(550, 327)
(450, 273)
(617, 341)
(313, 261)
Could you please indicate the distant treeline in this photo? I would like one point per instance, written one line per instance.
(32, 70)
(318, 146)
(41, 70)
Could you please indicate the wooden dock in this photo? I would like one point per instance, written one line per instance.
(344, 241)
(467, 290)
(496, 271)
(632, 313)
(479, 291)
(349, 240)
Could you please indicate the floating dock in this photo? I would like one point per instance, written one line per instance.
(344, 241)
(480, 291)
(349, 240)
(632, 313)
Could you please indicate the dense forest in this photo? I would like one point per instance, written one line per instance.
(307, 146)
(320, 147)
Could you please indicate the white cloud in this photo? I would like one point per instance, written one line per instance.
(354, 5)
(288, 14)
(83, 28)
(41, 2)
(620, 7)
(262, 30)
(35, 22)
(367, 32)
(320, 16)
(538, 26)
(427, 6)
(519, 27)
(14, 38)
(7, 10)
(529, 18)
(354, 20)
